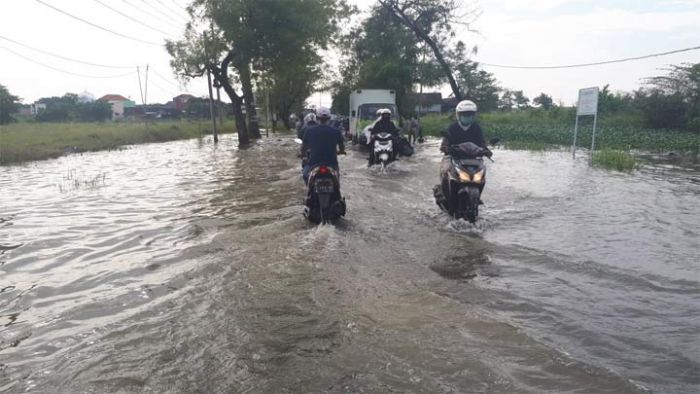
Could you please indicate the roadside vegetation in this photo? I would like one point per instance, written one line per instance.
(20, 142)
(535, 129)
(614, 160)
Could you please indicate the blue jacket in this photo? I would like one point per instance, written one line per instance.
(321, 141)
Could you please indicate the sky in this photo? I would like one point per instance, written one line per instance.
(523, 32)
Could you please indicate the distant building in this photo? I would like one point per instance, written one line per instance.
(119, 104)
(36, 108)
(180, 101)
(426, 103)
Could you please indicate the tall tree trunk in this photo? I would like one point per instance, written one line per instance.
(249, 98)
(221, 75)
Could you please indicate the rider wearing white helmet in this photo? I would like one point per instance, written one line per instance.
(465, 129)
(309, 121)
(322, 140)
(384, 125)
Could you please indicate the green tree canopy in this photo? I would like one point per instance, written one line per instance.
(9, 104)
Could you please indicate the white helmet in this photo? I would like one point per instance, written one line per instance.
(310, 117)
(466, 106)
(323, 112)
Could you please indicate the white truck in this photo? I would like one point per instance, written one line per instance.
(364, 104)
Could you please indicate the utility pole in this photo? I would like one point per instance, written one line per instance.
(211, 106)
(267, 112)
(138, 74)
(145, 93)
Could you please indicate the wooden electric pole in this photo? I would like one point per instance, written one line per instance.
(211, 106)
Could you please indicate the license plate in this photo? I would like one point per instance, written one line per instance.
(324, 187)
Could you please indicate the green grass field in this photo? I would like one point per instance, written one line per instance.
(522, 130)
(20, 142)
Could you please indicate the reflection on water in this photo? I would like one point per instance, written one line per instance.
(188, 267)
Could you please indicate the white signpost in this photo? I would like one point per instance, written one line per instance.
(587, 105)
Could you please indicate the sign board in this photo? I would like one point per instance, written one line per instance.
(587, 101)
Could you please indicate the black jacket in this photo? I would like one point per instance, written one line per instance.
(455, 135)
(384, 126)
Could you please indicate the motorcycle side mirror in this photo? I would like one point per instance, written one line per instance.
(298, 141)
(494, 141)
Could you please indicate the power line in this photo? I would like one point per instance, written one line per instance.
(159, 11)
(64, 71)
(62, 57)
(133, 19)
(628, 59)
(150, 14)
(176, 13)
(96, 25)
(164, 79)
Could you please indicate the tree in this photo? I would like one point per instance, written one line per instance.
(95, 111)
(679, 87)
(198, 53)
(58, 109)
(431, 22)
(661, 110)
(289, 88)
(254, 38)
(9, 104)
(521, 101)
(475, 84)
(544, 101)
(381, 53)
(69, 108)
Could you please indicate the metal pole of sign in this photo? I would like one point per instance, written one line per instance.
(267, 111)
(595, 120)
(573, 147)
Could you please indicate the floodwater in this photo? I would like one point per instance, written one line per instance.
(188, 267)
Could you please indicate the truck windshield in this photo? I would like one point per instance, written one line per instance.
(369, 111)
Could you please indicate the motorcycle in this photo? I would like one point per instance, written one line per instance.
(382, 149)
(462, 180)
(324, 204)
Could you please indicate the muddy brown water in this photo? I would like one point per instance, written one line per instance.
(187, 267)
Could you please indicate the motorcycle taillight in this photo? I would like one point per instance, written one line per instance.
(323, 170)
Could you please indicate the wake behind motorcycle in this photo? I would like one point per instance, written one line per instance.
(462, 178)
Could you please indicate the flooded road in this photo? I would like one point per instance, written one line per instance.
(185, 267)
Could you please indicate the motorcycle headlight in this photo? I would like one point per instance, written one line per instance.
(478, 176)
(464, 176)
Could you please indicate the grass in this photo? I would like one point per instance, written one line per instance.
(614, 160)
(539, 130)
(22, 142)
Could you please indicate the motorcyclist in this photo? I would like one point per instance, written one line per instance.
(321, 141)
(465, 129)
(309, 122)
(383, 124)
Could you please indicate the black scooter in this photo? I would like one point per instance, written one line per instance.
(462, 180)
(324, 203)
